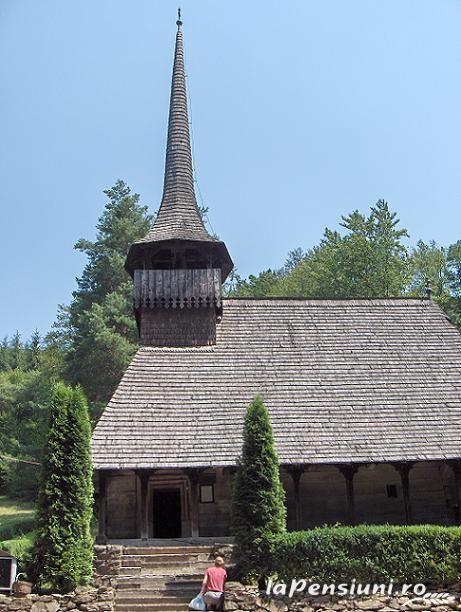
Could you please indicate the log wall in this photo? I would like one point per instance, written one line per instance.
(177, 327)
(322, 498)
(323, 495)
(214, 518)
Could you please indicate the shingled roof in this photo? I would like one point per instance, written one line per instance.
(178, 218)
(344, 381)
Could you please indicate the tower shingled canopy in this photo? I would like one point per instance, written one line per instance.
(178, 218)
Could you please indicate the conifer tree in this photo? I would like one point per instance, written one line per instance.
(34, 350)
(99, 326)
(258, 507)
(63, 554)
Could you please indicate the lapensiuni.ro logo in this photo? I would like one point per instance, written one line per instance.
(354, 588)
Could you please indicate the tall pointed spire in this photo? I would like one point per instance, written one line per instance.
(178, 238)
(178, 216)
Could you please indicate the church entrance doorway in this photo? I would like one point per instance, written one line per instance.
(167, 513)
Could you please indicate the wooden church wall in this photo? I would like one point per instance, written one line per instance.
(121, 506)
(323, 495)
(215, 517)
(178, 326)
(433, 493)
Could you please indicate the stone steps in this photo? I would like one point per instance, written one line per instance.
(130, 595)
(155, 602)
(163, 570)
(143, 558)
(160, 578)
(158, 582)
(160, 606)
(156, 550)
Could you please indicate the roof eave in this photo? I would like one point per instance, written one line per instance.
(226, 263)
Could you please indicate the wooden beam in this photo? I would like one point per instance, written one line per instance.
(296, 471)
(102, 507)
(230, 469)
(142, 527)
(404, 470)
(194, 476)
(348, 471)
(455, 465)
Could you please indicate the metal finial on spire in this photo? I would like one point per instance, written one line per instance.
(179, 22)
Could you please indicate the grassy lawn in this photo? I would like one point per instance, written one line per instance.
(16, 524)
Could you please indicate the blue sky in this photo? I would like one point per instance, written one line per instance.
(301, 111)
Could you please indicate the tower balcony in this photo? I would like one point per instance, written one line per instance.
(177, 288)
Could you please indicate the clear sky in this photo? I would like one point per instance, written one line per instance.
(302, 110)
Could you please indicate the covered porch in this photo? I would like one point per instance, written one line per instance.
(156, 506)
(163, 505)
(400, 493)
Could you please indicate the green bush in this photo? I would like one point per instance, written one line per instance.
(21, 548)
(63, 552)
(258, 504)
(425, 554)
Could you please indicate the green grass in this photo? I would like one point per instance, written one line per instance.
(16, 524)
(20, 546)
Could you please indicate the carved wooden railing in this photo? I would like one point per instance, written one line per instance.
(177, 288)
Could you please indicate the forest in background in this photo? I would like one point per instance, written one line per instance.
(94, 337)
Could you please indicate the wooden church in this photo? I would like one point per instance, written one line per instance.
(364, 395)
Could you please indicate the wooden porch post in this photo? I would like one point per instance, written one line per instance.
(102, 507)
(296, 471)
(348, 471)
(194, 475)
(455, 465)
(404, 470)
(143, 476)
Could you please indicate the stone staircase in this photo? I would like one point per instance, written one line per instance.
(161, 578)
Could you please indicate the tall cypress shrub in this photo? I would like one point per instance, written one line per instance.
(63, 553)
(258, 506)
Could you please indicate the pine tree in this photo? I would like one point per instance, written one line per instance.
(5, 355)
(16, 346)
(99, 327)
(368, 261)
(63, 553)
(258, 505)
(34, 350)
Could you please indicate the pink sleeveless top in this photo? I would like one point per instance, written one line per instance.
(216, 578)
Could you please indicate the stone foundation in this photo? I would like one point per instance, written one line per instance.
(101, 599)
(107, 563)
(240, 598)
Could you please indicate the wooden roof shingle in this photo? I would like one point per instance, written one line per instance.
(344, 381)
(178, 218)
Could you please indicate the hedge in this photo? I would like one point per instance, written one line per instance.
(425, 554)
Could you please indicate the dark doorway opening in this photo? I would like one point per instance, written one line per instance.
(167, 513)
